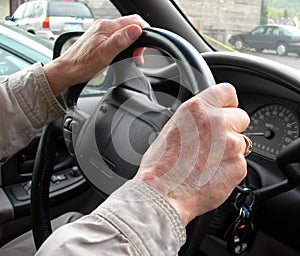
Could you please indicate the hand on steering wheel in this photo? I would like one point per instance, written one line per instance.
(100, 146)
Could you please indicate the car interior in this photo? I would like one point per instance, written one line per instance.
(85, 163)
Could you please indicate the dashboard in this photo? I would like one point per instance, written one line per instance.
(274, 123)
(271, 96)
(269, 92)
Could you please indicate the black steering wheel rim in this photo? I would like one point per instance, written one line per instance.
(198, 77)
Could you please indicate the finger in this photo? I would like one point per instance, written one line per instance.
(237, 119)
(138, 56)
(132, 19)
(112, 26)
(119, 41)
(220, 95)
(233, 171)
(248, 145)
(235, 145)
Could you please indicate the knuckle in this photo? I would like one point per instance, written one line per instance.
(194, 110)
(137, 19)
(192, 104)
(119, 41)
(233, 143)
(103, 23)
(228, 88)
(244, 118)
(136, 16)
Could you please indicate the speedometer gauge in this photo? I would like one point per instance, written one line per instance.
(271, 128)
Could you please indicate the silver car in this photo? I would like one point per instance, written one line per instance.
(49, 19)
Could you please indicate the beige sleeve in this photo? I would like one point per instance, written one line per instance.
(134, 220)
(26, 105)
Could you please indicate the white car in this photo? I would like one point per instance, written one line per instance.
(19, 49)
(47, 20)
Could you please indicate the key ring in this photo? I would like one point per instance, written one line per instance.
(242, 197)
(245, 191)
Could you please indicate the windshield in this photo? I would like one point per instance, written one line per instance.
(266, 28)
(66, 9)
(292, 30)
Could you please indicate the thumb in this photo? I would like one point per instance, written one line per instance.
(121, 40)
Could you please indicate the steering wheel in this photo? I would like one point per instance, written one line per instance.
(110, 144)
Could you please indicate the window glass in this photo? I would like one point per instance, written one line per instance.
(292, 30)
(277, 32)
(10, 63)
(19, 12)
(29, 10)
(269, 31)
(65, 9)
(234, 25)
(103, 81)
(38, 10)
(258, 31)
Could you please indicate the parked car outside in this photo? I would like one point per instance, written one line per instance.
(47, 20)
(283, 39)
(20, 49)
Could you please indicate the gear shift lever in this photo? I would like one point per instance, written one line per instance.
(288, 161)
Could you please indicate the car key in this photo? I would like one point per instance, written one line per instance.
(241, 232)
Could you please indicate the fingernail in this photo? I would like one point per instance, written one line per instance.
(133, 33)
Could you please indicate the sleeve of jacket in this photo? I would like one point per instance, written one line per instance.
(27, 104)
(134, 220)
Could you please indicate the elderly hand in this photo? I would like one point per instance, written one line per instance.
(197, 159)
(94, 51)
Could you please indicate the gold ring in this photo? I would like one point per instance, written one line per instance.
(248, 148)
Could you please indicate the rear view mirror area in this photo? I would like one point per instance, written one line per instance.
(64, 42)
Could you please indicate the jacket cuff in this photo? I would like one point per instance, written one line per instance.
(145, 218)
(32, 90)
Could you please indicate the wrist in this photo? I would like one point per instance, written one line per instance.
(180, 207)
(181, 210)
(58, 75)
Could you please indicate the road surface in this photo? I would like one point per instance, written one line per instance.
(291, 60)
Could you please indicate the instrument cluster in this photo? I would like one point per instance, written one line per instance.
(272, 127)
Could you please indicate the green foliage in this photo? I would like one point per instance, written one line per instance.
(292, 7)
(275, 13)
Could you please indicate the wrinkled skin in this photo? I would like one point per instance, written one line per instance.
(197, 159)
(94, 51)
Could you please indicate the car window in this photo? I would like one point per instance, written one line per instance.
(19, 12)
(239, 23)
(103, 81)
(269, 31)
(63, 9)
(38, 10)
(258, 31)
(26, 48)
(292, 30)
(11, 63)
(29, 10)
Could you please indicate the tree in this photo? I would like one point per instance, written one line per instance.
(285, 13)
(264, 13)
